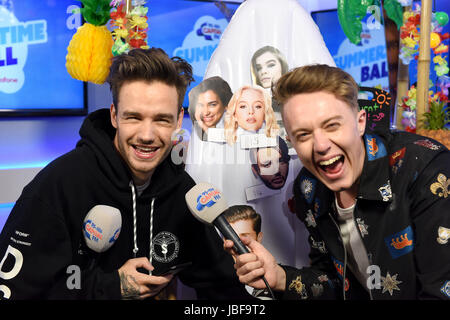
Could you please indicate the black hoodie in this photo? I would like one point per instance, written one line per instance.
(42, 244)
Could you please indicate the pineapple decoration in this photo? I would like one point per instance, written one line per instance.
(89, 52)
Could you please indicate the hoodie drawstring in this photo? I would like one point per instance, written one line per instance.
(136, 249)
(133, 191)
(150, 256)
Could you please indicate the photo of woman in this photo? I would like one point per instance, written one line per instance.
(250, 110)
(267, 66)
(208, 101)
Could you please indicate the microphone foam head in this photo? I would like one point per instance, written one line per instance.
(101, 227)
(205, 202)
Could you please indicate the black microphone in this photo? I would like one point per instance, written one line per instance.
(207, 204)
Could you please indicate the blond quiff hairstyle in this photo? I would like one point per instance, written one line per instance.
(315, 78)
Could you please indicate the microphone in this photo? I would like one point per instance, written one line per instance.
(207, 204)
(101, 227)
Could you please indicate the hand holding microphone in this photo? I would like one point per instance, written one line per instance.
(259, 269)
(207, 204)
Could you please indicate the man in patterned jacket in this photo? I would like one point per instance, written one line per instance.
(376, 203)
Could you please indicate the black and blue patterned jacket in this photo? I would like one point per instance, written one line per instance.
(403, 215)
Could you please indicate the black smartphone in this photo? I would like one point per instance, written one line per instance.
(171, 270)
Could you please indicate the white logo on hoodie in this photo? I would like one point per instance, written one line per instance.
(165, 247)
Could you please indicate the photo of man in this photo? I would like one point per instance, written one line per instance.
(271, 164)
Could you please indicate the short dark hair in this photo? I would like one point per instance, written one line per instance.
(149, 65)
(244, 212)
(216, 84)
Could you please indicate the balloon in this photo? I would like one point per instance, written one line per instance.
(394, 11)
(441, 17)
(350, 14)
(435, 39)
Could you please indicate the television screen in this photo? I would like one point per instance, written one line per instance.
(34, 36)
(188, 29)
(367, 61)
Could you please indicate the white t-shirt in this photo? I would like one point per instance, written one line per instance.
(356, 252)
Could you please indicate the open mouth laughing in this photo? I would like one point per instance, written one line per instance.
(332, 166)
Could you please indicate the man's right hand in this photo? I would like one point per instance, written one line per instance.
(138, 285)
(251, 267)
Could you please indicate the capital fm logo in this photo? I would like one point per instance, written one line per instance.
(207, 198)
(210, 31)
(200, 42)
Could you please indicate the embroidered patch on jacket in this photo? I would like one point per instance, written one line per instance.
(307, 187)
(317, 289)
(322, 278)
(390, 283)
(316, 207)
(441, 187)
(362, 227)
(340, 270)
(396, 159)
(385, 191)
(165, 247)
(443, 235)
(319, 245)
(310, 220)
(374, 147)
(445, 289)
(299, 287)
(400, 243)
(427, 144)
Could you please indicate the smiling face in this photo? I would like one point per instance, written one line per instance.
(209, 109)
(250, 110)
(268, 69)
(326, 134)
(146, 117)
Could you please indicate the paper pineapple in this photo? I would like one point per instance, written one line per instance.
(89, 52)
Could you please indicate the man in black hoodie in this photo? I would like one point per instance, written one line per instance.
(122, 161)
